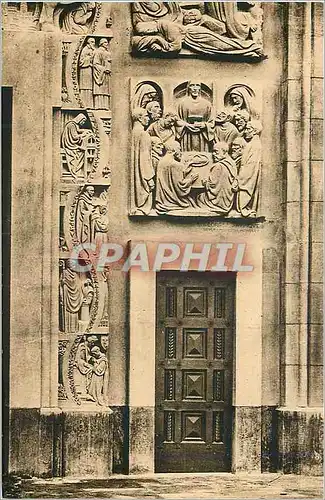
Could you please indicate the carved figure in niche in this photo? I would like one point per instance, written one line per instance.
(164, 128)
(71, 17)
(224, 131)
(195, 127)
(75, 142)
(86, 73)
(91, 219)
(84, 212)
(143, 171)
(249, 172)
(174, 181)
(76, 296)
(92, 373)
(99, 377)
(154, 111)
(157, 26)
(101, 75)
(216, 28)
(239, 98)
(82, 363)
(157, 151)
(221, 183)
(144, 93)
(100, 225)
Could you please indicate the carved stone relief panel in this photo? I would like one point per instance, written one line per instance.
(207, 29)
(196, 149)
(86, 72)
(76, 18)
(84, 146)
(83, 366)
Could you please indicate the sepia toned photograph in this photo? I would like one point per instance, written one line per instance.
(162, 250)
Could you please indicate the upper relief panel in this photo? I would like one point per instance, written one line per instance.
(212, 30)
(74, 18)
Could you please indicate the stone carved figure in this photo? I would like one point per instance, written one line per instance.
(157, 26)
(213, 29)
(195, 161)
(91, 217)
(91, 376)
(164, 128)
(76, 296)
(224, 131)
(101, 75)
(86, 73)
(74, 142)
(70, 17)
(143, 172)
(195, 124)
(145, 92)
(241, 98)
(249, 172)
(221, 183)
(99, 377)
(174, 181)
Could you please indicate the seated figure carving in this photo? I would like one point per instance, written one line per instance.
(221, 183)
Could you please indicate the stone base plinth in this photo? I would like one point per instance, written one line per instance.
(52, 442)
(300, 440)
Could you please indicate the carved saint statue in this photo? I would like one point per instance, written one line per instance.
(101, 75)
(91, 376)
(249, 172)
(195, 127)
(153, 111)
(73, 294)
(157, 26)
(143, 171)
(221, 183)
(99, 377)
(85, 208)
(74, 141)
(174, 181)
(86, 73)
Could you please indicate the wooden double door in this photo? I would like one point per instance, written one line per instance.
(194, 370)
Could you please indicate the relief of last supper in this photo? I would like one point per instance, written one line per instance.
(192, 156)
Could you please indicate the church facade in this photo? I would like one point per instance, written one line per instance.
(162, 180)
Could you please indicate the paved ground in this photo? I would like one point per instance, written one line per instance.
(172, 486)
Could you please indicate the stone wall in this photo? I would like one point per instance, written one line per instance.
(278, 331)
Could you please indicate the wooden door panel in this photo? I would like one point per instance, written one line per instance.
(194, 345)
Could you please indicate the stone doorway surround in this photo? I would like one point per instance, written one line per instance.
(247, 383)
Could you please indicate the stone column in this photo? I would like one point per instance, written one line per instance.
(297, 422)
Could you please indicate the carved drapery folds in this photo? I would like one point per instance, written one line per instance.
(76, 18)
(192, 155)
(82, 129)
(210, 29)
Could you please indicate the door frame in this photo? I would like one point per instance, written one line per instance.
(247, 367)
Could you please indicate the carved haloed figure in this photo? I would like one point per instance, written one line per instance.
(195, 127)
